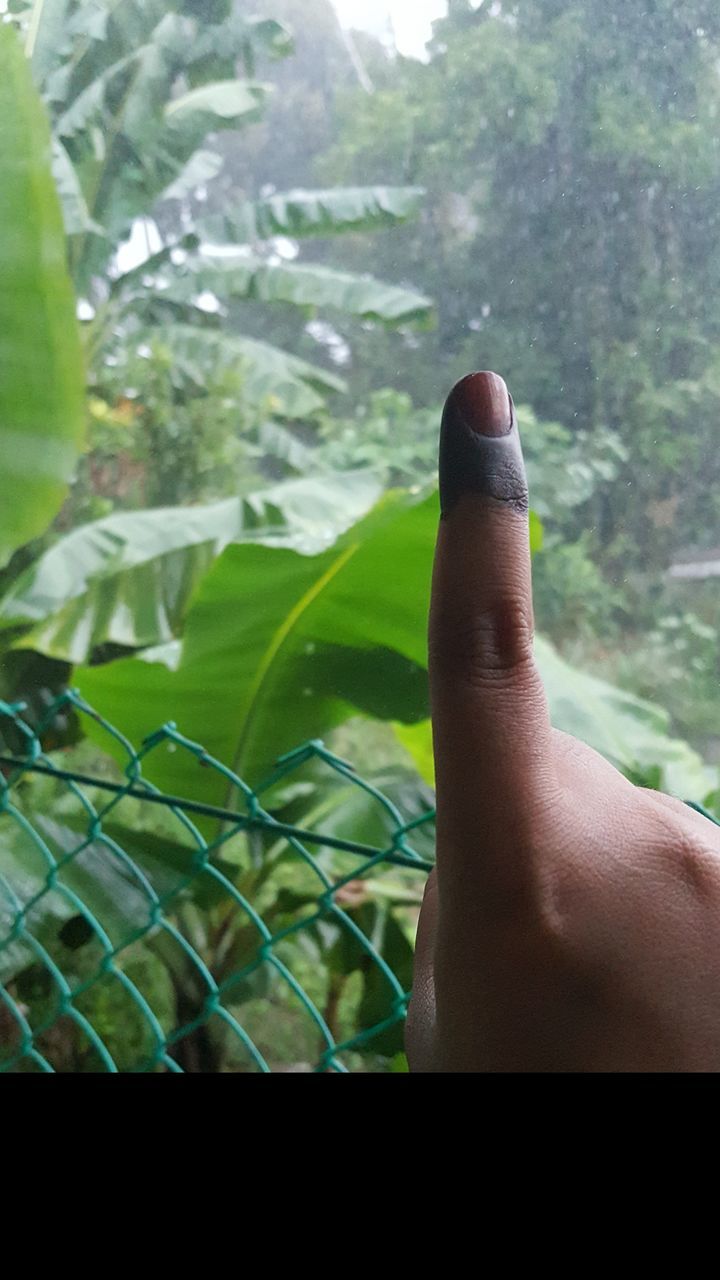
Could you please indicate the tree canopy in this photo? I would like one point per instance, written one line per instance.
(571, 155)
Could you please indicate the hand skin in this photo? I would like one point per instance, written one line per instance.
(573, 921)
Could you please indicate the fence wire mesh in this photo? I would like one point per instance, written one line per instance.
(143, 932)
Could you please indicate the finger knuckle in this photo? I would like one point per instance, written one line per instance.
(485, 647)
(685, 857)
(697, 867)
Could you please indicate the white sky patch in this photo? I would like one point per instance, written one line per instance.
(207, 301)
(329, 338)
(286, 249)
(143, 242)
(410, 20)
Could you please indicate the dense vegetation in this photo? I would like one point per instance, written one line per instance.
(246, 540)
(569, 237)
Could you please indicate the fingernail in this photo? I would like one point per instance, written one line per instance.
(483, 402)
(480, 451)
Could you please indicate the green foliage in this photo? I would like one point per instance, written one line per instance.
(630, 732)
(676, 660)
(339, 626)
(635, 735)
(160, 438)
(570, 233)
(567, 469)
(41, 384)
(169, 377)
(139, 913)
(138, 93)
(572, 598)
(127, 580)
(570, 239)
(270, 380)
(279, 647)
(314, 213)
(388, 434)
(144, 80)
(310, 287)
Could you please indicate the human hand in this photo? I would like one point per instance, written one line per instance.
(573, 922)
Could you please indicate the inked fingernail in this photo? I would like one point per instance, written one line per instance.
(480, 451)
(483, 402)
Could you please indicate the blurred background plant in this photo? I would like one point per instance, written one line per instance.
(252, 513)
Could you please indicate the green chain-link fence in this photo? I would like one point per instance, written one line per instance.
(140, 931)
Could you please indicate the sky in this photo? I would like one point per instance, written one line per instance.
(411, 19)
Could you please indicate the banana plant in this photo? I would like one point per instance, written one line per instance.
(281, 613)
(127, 580)
(41, 382)
(137, 89)
(279, 646)
(187, 586)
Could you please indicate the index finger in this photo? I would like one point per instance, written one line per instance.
(491, 724)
